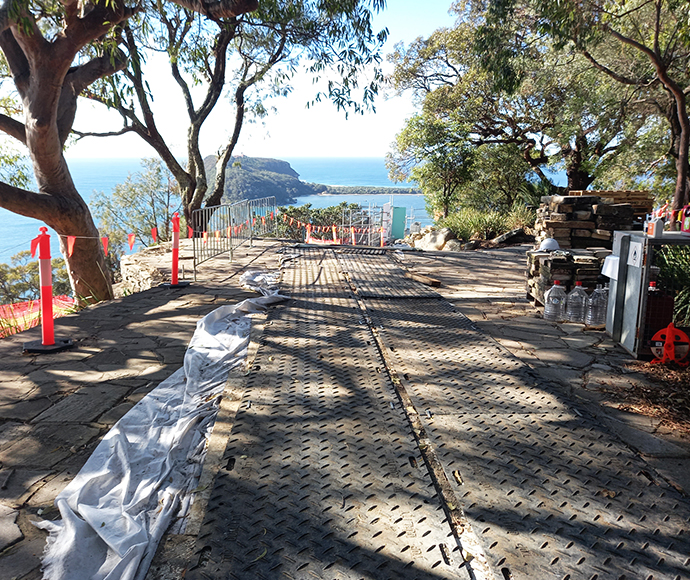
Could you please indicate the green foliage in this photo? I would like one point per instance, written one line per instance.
(437, 155)
(500, 178)
(20, 281)
(528, 103)
(474, 224)
(14, 166)
(674, 275)
(146, 200)
(477, 224)
(252, 59)
(639, 47)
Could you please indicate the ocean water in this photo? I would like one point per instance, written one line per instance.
(91, 175)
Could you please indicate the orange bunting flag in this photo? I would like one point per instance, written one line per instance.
(70, 245)
(247, 222)
(253, 221)
(284, 217)
(154, 235)
(190, 232)
(217, 234)
(130, 239)
(271, 215)
(263, 220)
(291, 220)
(229, 232)
(34, 247)
(104, 241)
(205, 235)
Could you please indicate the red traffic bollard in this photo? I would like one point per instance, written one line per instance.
(174, 282)
(45, 272)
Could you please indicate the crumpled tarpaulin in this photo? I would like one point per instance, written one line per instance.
(117, 508)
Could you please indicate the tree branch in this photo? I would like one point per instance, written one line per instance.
(27, 203)
(220, 9)
(123, 131)
(13, 128)
(16, 59)
(77, 80)
(614, 75)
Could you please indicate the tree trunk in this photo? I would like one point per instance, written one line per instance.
(41, 82)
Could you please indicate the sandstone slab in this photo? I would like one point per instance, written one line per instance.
(84, 405)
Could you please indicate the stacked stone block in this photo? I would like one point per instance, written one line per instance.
(581, 221)
(568, 267)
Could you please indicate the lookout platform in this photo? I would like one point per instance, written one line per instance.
(383, 429)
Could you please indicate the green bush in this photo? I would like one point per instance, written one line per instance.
(469, 224)
(521, 216)
(674, 276)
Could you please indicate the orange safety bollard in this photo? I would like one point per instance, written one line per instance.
(45, 273)
(175, 246)
(174, 278)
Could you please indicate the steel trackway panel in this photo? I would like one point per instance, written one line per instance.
(321, 475)
(377, 276)
(550, 492)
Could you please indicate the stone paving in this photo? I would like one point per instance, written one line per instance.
(55, 408)
(489, 288)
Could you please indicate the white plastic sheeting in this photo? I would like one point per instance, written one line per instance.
(117, 508)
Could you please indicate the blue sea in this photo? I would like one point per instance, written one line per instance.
(91, 175)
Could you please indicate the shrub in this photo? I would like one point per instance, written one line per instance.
(674, 264)
(470, 223)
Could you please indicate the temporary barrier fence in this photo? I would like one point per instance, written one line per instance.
(221, 229)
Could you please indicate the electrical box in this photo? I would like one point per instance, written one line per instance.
(398, 225)
(634, 312)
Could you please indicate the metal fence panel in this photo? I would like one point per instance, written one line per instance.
(222, 228)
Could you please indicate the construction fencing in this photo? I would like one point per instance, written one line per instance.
(223, 228)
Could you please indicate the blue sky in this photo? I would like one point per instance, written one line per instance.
(291, 131)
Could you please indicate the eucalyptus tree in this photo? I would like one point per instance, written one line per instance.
(556, 114)
(248, 57)
(637, 43)
(433, 153)
(54, 51)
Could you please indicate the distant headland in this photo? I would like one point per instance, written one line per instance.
(254, 177)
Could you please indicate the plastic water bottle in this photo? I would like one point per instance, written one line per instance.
(554, 303)
(596, 308)
(577, 304)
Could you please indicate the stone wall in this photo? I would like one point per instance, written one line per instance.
(144, 269)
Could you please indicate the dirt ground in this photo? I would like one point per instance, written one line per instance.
(667, 397)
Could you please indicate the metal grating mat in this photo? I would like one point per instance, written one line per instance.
(550, 492)
(361, 251)
(321, 476)
(379, 277)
